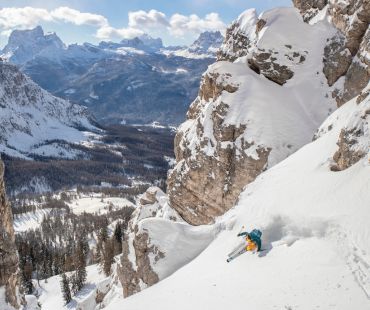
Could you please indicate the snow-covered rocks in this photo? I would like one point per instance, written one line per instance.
(346, 59)
(243, 121)
(35, 123)
(354, 138)
(158, 243)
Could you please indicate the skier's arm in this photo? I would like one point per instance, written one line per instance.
(242, 234)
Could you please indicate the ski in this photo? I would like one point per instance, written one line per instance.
(237, 249)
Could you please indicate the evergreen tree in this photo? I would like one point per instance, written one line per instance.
(27, 277)
(80, 264)
(65, 289)
(103, 234)
(108, 256)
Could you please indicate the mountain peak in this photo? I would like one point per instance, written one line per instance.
(207, 42)
(144, 42)
(24, 45)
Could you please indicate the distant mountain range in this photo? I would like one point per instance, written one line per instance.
(135, 81)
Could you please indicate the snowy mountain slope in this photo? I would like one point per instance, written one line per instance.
(252, 111)
(33, 122)
(315, 232)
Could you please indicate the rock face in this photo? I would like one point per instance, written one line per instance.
(135, 270)
(8, 252)
(158, 242)
(346, 54)
(238, 125)
(352, 127)
(353, 141)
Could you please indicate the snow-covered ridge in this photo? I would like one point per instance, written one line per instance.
(33, 122)
(26, 45)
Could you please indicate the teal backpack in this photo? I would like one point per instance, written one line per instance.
(255, 235)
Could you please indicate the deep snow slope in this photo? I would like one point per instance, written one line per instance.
(316, 232)
(35, 123)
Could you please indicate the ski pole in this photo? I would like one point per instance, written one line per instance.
(241, 229)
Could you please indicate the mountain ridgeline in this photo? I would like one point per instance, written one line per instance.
(136, 81)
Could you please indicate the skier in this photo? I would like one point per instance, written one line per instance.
(253, 240)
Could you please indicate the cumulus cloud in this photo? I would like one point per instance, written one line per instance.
(142, 19)
(181, 25)
(138, 22)
(22, 18)
(78, 18)
(110, 33)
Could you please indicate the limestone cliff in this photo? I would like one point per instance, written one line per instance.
(260, 102)
(346, 59)
(9, 280)
(157, 243)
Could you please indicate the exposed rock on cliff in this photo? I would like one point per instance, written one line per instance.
(158, 243)
(243, 120)
(346, 54)
(8, 253)
(353, 141)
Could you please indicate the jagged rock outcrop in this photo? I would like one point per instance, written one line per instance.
(9, 278)
(309, 8)
(237, 126)
(135, 270)
(353, 141)
(158, 242)
(346, 54)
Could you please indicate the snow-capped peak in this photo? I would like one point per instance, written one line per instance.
(23, 45)
(208, 41)
(150, 42)
(144, 42)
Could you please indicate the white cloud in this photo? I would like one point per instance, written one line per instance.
(142, 19)
(152, 21)
(22, 18)
(110, 33)
(78, 18)
(181, 25)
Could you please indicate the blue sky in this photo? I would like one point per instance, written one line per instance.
(176, 21)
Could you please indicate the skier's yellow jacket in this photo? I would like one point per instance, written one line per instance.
(251, 246)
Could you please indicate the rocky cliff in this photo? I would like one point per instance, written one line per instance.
(158, 242)
(346, 57)
(259, 103)
(9, 280)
